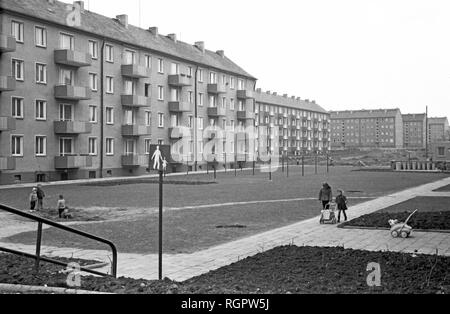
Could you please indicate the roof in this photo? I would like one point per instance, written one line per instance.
(414, 117)
(363, 114)
(440, 120)
(110, 28)
(291, 102)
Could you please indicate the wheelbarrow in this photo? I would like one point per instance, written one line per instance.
(401, 229)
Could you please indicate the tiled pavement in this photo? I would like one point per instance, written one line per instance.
(310, 233)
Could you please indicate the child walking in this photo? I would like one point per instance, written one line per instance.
(61, 206)
(33, 199)
(341, 202)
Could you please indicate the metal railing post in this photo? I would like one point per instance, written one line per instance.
(38, 247)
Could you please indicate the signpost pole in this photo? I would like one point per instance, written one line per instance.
(160, 223)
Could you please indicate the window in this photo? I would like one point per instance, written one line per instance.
(41, 146)
(189, 71)
(129, 57)
(65, 112)
(232, 104)
(66, 77)
(18, 69)
(129, 117)
(147, 144)
(93, 146)
(148, 118)
(109, 146)
(160, 66)
(212, 78)
(224, 79)
(65, 146)
(201, 99)
(40, 36)
(232, 83)
(67, 41)
(190, 122)
(190, 97)
(212, 101)
(200, 75)
(109, 53)
(109, 85)
(148, 61)
(160, 120)
(93, 114)
(93, 81)
(147, 90)
(241, 84)
(17, 107)
(129, 87)
(130, 147)
(41, 110)
(109, 115)
(93, 49)
(41, 73)
(160, 92)
(201, 123)
(175, 94)
(232, 124)
(160, 142)
(17, 145)
(175, 68)
(441, 151)
(224, 102)
(17, 31)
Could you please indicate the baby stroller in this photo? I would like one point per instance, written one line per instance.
(329, 214)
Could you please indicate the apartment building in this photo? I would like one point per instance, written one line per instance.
(414, 131)
(438, 129)
(293, 126)
(84, 96)
(381, 128)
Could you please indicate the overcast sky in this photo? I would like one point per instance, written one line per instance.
(346, 54)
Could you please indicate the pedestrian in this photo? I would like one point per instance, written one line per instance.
(325, 195)
(40, 196)
(62, 207)
(341, 201)
(33, 199)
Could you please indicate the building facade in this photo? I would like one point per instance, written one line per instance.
(438, 129)
(414, 131)
(366, 129)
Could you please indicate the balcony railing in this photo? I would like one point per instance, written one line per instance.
(70, 92)
(179, 80)
(72, 127)
(7, 43)
(135, 130)
(180, 106)
(72, 58)
(7, 163)
(245, 94)
(216, 89)
(216, 112)
(135, 101)
(135, 71)
(7, 124)
(73, 162)
(7, 83)
(134, 160)
(245, 115)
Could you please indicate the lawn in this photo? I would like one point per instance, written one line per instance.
(189, 228)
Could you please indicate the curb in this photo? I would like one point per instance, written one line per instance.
(22, 288)
(387, 229)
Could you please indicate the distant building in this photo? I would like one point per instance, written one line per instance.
(414, 130)
(440, 151)
(381, 128)
(438, 129)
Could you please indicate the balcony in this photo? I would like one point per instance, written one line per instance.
(135, 71)
(72, 127)
(180, 106)
(135, 101)
(73, 162)
(216, 89)
(7, 163)
(7, 43)
(7, 124)
(7, 83)
(135, 130)
(72, 58)
(179, 80)
(69, 92)
(134, 160)
(175, 133)
(245, 94)
(216, 112)
(245, 115)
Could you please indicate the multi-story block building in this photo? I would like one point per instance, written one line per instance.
(414, 130)
(367, 129)
(293, 126)
(83, 95)
(438, 129)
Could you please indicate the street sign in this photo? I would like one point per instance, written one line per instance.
(160, 157)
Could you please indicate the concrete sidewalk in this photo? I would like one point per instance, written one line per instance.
(310, 233)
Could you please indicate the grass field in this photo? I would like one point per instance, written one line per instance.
(193, 212)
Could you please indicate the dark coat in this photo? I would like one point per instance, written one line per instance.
(40, 193)
(341, 202)
(326, 194)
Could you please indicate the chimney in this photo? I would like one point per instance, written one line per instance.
(285, 95)
(123, 20)
(268, 92)
(314, 102)
(306, 100)
(299, 99)
(200, 45)
(275, 93)
(153, 30)
(80, 4)
(173, 37)
(293, 97)
(221, 53)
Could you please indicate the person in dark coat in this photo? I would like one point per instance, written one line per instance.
(341, 202)
(325, 195)
(40, 196)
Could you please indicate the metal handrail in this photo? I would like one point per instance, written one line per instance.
(38, 256)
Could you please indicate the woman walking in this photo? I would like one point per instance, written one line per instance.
(325, 195)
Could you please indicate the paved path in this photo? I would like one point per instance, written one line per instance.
(310, 233)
